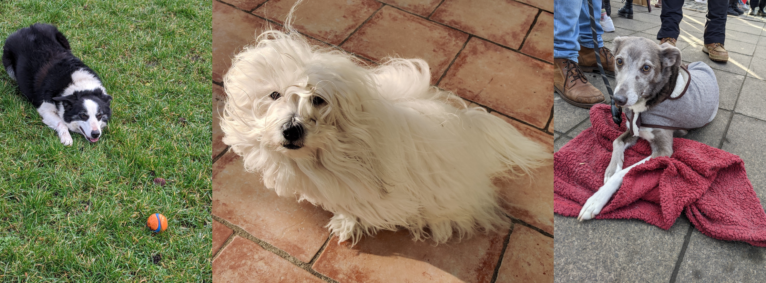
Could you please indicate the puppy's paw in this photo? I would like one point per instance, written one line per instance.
(65, 137)
(593, 206)
(345, 228)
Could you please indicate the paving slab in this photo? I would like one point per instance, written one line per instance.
(615, 250)
(558, 144)
(539, 42)
(528, 258)
(503, 22)
(745, 138)
(729, 86)
(423, 8)
(566, 115)
(751, 99)
(244, 259)
(221, 233)
(714, 131)
(504, 80)
(738, 63)
(530, 197)
(711, 260)
(758, 68)
(395, 257)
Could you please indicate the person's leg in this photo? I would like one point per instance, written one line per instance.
(671, 16)
(565, 31)
(627, 10)
(568, 80)
(715, 26)
(753, 6)
(715, 30)
(583, 22)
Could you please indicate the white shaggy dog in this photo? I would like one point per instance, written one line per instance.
(376, 146)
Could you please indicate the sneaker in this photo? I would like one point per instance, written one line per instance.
(572, 85)
(716, 52)
(669, 40)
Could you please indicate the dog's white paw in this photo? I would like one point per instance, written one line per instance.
(65, 137)
(344, 227)
(593, 206)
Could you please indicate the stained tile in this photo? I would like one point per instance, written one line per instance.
(240, 198)
(245, 261)
(500, 21)
(393, 33)
(328, 20)
(530, 132)
(540, 40)
(247, 5)
(420, 7)
(528, 257)
(394, 257)
(232, 30)
(504, 80)
(221, 233)
(530, 197)
(542, 4)
(218, 102)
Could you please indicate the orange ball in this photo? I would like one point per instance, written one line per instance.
(157, 223)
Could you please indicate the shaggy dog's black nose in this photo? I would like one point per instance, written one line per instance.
(95, 134)
(292, 131)
(620, 100)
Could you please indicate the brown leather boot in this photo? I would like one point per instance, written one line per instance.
(716, 52)
(570, 83)
(587, 60)
(669, 40)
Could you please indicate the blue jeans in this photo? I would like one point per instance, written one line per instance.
(571, 27)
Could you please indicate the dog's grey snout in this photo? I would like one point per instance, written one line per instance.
(292, 131)
(95, 134)
(620, 100)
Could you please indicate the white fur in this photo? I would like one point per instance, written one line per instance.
(597, 201)
(10, 72)
(82, 80)
(51, 118)
(386, 150)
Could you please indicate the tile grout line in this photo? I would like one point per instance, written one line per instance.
(223, 152)
(474, 35)
(550, 120)
(502, 253)
(434, 11)
(258, 6)
(454, 59)
(530, 226)
(529, 31)
(272, 249)
(681, 255)
(225, 244)
(321, 250)
(733, 111)
(362, 24)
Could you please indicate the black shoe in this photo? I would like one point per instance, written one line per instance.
(731, 11)
(752, 12)
(627, 10)
(761, 13)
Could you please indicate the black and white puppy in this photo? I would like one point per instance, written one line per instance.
(68, 95)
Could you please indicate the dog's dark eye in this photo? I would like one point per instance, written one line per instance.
(84, 116)
(619, 61)
(316, 100)
(275, 95)
(98, 116)
(645, 68)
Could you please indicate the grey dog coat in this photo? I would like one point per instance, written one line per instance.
(690, 106)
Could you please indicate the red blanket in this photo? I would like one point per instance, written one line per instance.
(708, 184)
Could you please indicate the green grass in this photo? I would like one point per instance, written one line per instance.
(78, 213)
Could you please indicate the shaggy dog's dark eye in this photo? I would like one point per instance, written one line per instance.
(316, 100)
(98, 116)
(619, 61)
(84, 116)
(275, 95)
(645, 68)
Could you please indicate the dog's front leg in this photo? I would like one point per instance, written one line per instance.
(51, 118)
(619, 146)
(597, 201)
(345, 227)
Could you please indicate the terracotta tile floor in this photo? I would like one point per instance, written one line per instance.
(492, 53)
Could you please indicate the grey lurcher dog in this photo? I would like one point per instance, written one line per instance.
(660, 97)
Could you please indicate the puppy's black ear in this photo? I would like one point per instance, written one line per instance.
(107, 98)
(62, 40)
(670, 55)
